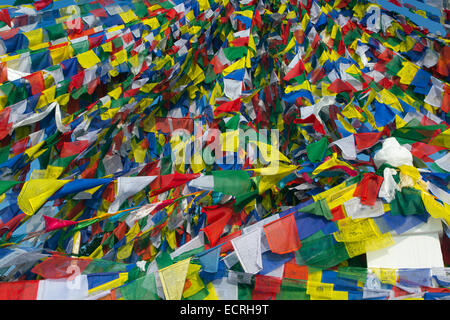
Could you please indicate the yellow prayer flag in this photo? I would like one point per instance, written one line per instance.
(399, 122)
(190, 15)
(270, 152)
(36, 192)
(121, 56)
(410, 171)
(115, 94)
(353, 69)
(330, 192)
(230, 141)
(193, 281)
(97, 253)
(173, 278)
(203, 5)
(305, 85)
(331, 163)
(390, 99)
(109, 114)
(319, 290)
(171, 239)
(271, 175)
(152, 22)
(347, 126)
(125, 251)
(47, 96)
(442, 139)
(128, 16)
(63, 99)
(434, 208)
(407, 73)
(107, 46)
(343, 195)
(212, 295)
(339, 295)
(76, 242)
(34, 37)
(88, 59)
(31, 151)
(196, 73)
(239, 64)
(386, 275)
(139, 154)
(275, 168)
(61, 53)
(197, 163)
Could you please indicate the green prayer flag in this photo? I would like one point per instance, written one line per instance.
(232, 182)
(7, 184)
(407, 202)
(234, 53)
(316, 150)
(143, 288)
(319, 208)
(163, 260)
(292, 289)
(55, 31)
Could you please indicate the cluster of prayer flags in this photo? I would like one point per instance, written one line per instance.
(221, 149)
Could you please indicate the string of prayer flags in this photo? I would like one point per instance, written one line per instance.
(199, 150)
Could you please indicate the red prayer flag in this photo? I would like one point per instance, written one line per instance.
(54, 224)
(217, 218)
(339, 86)
(446, 100)
(90, 171)
(57, 266)
(20, 146)
(4, 16)
(77, 81)
(92, 85)
(166, 182)
(109, 194)
(41, 4)
(266, 287)
(8, 34)
(368, 188)
(337, 213)
(169, 124)
(36, 81)
(423, 150)
(217, 65)
(72, 148)
(11, 224)
(5, 126)
(230, 106)
(19, 290)
(312, 119)
(257, 19)
(95, 41)
(120, 230)
(75, 25)
(367, 139)
(295, 271)
(239, 42)
(282, 235)
(100, 12)
(295, 71)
